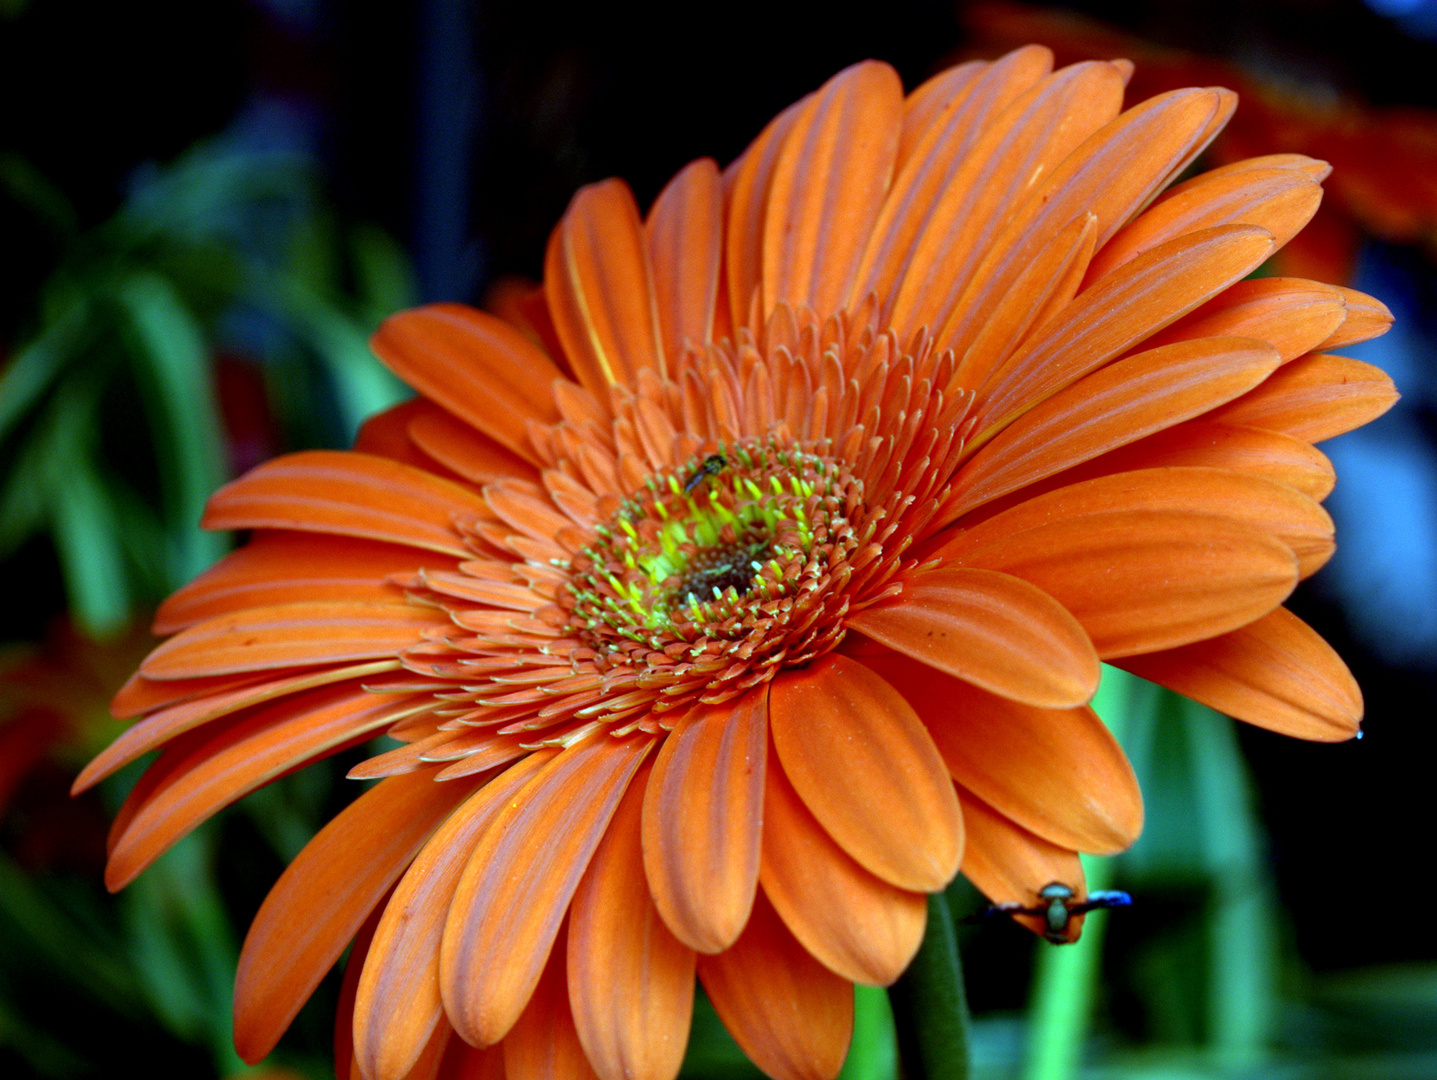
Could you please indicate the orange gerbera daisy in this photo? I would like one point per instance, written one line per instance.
(768, 592)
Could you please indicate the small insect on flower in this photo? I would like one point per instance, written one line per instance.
(712, 466)
(1056, 911)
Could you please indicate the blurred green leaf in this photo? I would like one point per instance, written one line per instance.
(873, 1053)
(384, 282)
(31, 189)
(34, 368)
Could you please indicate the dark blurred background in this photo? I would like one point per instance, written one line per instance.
(204, 210)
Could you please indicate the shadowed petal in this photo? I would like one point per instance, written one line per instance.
(996, 631)
(631, 982)
(292, 635)
(1276, 673)
(867, 769)
(788, 1012)
(1314, 398)
(543, 1042)
(702, 820)
(398, 1004)
(1008, 864)
(459, 447)
(350, 494)
(477, 366)
(1057, 772)
(1367, 318)
(857, 925)
(517, 886)
(1145, 580)
(322, 897)
(1291, 315)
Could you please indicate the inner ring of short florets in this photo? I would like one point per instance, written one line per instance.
(723, 546)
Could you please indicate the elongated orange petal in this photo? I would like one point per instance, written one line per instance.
(1314, 398)
(344, 1015)
(516, 889)
(631, 982)
(867, 769)
(684, 238)
(1276, 673)
(204, 775)
(1009, 865)
(543, 1042)
(162, 726)
(990, 629)
(1145, 580)
(398, 1005)
(788, 1012)
(1120, 311)
(477, 366)
(1367, 318)
(702, 820)
(349, 494)
(319, 901)
(828, 185)
(1275, 508)
(855, 924)
(1206, 443)
(463, 450)
(1056, 772)
(931, 105)
(284, 567)
(291, 635)
(1111, 407)
(1017, 147)
(1281, 200)
(1290, 314)
(465, 1062)
(600, 289)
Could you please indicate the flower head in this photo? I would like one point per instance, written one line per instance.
(759, 582)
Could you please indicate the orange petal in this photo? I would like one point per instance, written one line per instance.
(322, 897)
(1276, 509)
(1145, 580)
(1117, 313)
(940, 174)
(1281, 200)
(856, 925)
(386, 434)
(1113, 406)
(790, 1014)
(868, 771)
(828, 185)
(477, 366)
(543, 1042)
(281, 568)
(463, 450)
(344, 1065)
(1008, 864)
(995, 631)
(1276, 673)
(600, 289)
(631, 982)
(197, 776)
(398, 1005)
(1314, 398)
(516, 889)
(1204, 443)
(1367, 318)
(1290, 314)
(332, 491)
(684, 238)
(465, 1062)
(929, 107)
(291, 635)
(1057, 772)
(160, 727)
(702, 818)
(1025, 141)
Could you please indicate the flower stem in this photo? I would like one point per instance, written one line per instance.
(930, 1005)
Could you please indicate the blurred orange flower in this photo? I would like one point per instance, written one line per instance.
(1384, 180)
(769, 591)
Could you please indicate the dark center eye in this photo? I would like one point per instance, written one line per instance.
(731, 566)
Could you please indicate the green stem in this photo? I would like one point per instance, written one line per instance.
(930, 1005)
